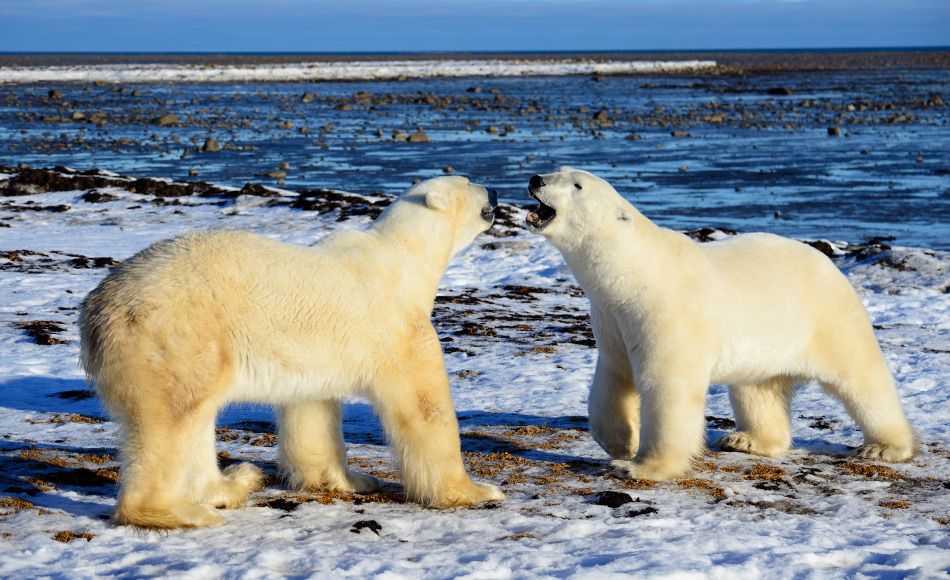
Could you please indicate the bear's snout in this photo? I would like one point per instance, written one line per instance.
(535, 183)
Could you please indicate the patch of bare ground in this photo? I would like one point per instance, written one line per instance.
(66, 418)
(67, 536)
(869, 470)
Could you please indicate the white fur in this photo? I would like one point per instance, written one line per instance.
(757, 312)
(191, 324)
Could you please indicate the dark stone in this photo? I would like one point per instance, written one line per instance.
(95, 196)
(371, 525)
(612, 499)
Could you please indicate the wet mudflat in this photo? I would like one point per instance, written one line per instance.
(846, 147)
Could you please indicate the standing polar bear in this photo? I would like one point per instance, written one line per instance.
(757, 312)
(193, 323)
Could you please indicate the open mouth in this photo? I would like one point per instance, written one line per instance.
(488, 212)
(542, 216)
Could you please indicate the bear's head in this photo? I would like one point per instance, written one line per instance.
(468, 207)
(573, 203)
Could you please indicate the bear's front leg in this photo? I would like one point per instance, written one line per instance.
(672, 426)
(614, 406)
(312, 451)
(415, 405)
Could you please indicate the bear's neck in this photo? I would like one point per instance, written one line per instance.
(620, 264)
(421, 243)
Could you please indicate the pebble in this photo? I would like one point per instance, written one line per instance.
(166, 120)
(418, 137)
(211, 145)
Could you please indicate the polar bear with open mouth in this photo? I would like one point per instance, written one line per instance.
(190, 324)
(757, 312)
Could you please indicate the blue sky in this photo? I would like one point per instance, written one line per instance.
(446, 25)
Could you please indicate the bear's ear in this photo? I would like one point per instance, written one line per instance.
(437, 199)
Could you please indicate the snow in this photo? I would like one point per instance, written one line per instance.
(342, 70)
(520, 392)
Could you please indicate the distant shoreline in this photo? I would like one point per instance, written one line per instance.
(766, 60)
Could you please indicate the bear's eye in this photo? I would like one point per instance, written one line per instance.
(578, 186)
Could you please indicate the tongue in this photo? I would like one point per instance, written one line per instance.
(533, 218)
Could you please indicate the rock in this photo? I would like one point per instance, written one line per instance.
(343, 107)
(495, 91)
(306, 98)
(612, 499)
(277, 174)
(416, 180)
(473, 90)
(781, 91)
(193, 172)
(371, 525)
(284, 166)
(834, 131)
(54, 94)
(824, 247)
(448, 169)
(491, 129)
(400, 136)
(94, 196)
(683, 169)
(258, 190)
(211, 145)
(602, 116)
(632, 137)
(167, 120)
(418, 137)
(679, 134)
(78, 116)
(286, 125)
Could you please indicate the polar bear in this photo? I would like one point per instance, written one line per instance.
(191, 324)
(757, 312)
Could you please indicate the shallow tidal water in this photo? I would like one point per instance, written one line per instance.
(746, 152)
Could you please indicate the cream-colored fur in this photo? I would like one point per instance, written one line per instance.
(757, 312)
(193, 323)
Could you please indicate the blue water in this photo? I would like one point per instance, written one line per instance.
(776, 170)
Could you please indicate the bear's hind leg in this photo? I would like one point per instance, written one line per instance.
(870, 396)
(762, 418)
(154, 488)
(209, 485)
(312, 451)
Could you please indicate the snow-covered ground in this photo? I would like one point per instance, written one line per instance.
(519, 354)
(342, 70)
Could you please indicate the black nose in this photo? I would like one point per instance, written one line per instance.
(493, 197)
(537, 182)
